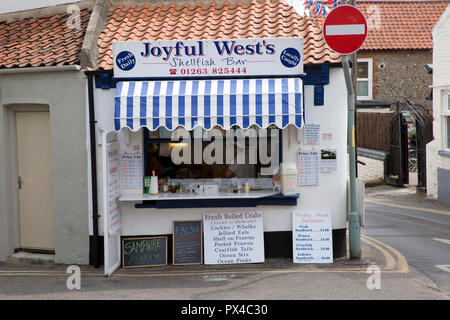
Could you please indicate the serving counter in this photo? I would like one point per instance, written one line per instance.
(192, 196)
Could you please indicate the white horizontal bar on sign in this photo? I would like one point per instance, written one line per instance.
(345, 29)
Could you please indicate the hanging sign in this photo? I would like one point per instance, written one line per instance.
(233, 237)
(208, 58)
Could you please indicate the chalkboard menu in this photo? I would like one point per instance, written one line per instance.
(144, 252)
(187, 242)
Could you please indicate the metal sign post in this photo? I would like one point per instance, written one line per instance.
(345, 30)
(353, 216)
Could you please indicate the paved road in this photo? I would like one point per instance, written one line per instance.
(417, 227)
(405, 236)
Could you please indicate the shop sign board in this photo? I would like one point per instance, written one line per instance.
(233, 237)
(312, 237)
(208, 58)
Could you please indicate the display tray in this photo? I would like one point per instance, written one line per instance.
(190, 196)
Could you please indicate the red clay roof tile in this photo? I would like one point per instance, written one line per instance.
(401, 24)
(45, 41)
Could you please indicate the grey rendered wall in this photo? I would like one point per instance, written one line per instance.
(64, 94)
(443, 179)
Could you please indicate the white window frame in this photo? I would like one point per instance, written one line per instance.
(445, 115)
(370, 81)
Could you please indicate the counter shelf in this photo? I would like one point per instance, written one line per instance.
(210, 200)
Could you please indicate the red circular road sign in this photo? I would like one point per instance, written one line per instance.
(345, 29)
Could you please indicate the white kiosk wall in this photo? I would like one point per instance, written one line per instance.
(332, 117)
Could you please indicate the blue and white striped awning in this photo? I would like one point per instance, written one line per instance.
(209, 103)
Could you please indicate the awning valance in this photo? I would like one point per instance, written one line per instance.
(209, 103)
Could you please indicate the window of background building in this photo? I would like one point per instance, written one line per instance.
(364, 79)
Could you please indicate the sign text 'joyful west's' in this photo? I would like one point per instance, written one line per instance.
(208, 58)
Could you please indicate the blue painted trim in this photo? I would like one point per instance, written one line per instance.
(105, 81)
(325, 74)
(275, 200)
(317, 75)
(319, 95)
(280, 196)
(300, 75)
(314, 74)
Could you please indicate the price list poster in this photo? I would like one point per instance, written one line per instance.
(308, 168)
(131, 171)
(312, 237)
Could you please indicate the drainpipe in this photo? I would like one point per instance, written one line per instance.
(93, 144)
(354, 228)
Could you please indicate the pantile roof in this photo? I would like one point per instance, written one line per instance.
(400, 24)
(43, 41)
(228, 20)
(47, 41)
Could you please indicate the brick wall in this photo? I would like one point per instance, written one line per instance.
(400, 74)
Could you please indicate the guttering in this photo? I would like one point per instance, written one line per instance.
(72, 67)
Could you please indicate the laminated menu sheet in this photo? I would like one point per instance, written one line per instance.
(311, 134)
(328, 161)
(131, 171)
(312, 236)
(308, 168)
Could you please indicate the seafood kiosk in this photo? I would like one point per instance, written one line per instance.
(221, 152)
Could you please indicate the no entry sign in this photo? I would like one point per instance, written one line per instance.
(345, 29)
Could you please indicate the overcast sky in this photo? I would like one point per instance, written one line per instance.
(20, 5)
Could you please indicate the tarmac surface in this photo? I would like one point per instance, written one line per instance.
(417, 226)
(388, 270)
(275, 279)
